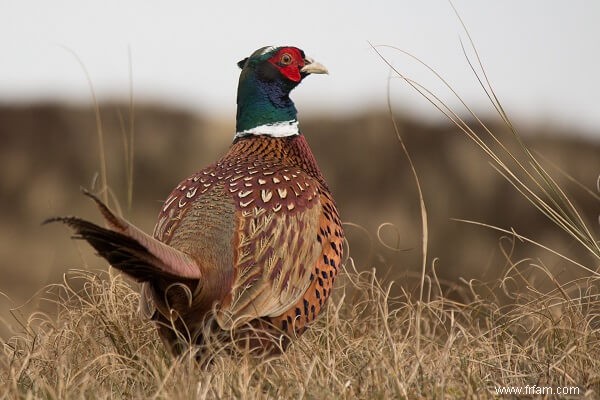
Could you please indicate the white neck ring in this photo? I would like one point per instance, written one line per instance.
(276, 129)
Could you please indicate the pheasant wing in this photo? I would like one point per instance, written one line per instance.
(277, 247)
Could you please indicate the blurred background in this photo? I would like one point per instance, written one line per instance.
(167, 73)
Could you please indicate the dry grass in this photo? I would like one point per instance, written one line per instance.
(366, 345)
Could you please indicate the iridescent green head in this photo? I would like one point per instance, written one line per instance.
(268, 76)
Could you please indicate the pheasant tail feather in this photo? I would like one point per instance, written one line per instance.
(130, 250)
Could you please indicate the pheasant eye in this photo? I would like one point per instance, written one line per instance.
(286, 59)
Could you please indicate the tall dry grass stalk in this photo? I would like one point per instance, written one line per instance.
(509, 156)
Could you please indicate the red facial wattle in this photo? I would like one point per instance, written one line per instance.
(290, 70)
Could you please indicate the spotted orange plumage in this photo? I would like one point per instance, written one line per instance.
(249, 246)
(273, 184)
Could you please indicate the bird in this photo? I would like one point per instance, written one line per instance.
(249, 246)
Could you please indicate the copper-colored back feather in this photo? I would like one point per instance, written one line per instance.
(286, 244)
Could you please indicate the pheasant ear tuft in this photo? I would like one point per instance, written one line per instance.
(242, 63)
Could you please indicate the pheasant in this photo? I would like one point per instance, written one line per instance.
(249, 246)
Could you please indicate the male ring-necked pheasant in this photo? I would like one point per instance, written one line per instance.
(251, 244)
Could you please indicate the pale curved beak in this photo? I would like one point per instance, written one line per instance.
(313, 67)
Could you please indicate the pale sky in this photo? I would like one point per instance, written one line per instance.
(543, 57)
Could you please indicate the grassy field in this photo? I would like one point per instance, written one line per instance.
(367, 345)
(535, 326)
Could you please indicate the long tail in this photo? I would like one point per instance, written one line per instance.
(129, 249)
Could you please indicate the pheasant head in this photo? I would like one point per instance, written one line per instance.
(268, 76)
